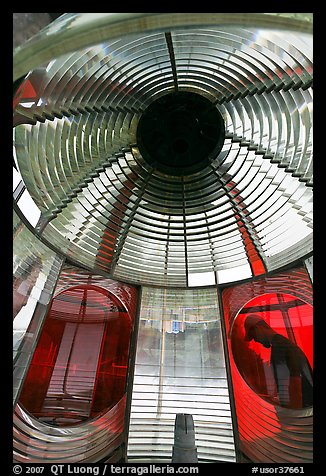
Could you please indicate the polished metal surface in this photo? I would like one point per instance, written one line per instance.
(106, 208)
(180, 368)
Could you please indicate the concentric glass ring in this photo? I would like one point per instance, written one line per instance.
(247, 212)
(84, 82)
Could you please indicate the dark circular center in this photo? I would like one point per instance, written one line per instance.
(180, 145)
(180, 132)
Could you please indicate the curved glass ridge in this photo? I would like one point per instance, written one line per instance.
(101, 206)
(180, 367)
(76, 30)
(79, 366)
(72, 406)
(247, 212)
(271, 429)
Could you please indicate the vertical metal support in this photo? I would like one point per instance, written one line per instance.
(131, 372)
(308, 264)
(185, 230)
(229, 379)
(169, 42)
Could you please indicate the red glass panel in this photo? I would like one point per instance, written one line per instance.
(255, 261)
(79, 367)
(25, 91)
(269, 431)
(276, 361)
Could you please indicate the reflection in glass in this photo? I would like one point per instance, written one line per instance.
(269, 432)
(35, 271)
(272, 347)
(248, 211)
(180, 367)
(79, 366)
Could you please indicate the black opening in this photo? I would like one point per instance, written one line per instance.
(180, 133)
